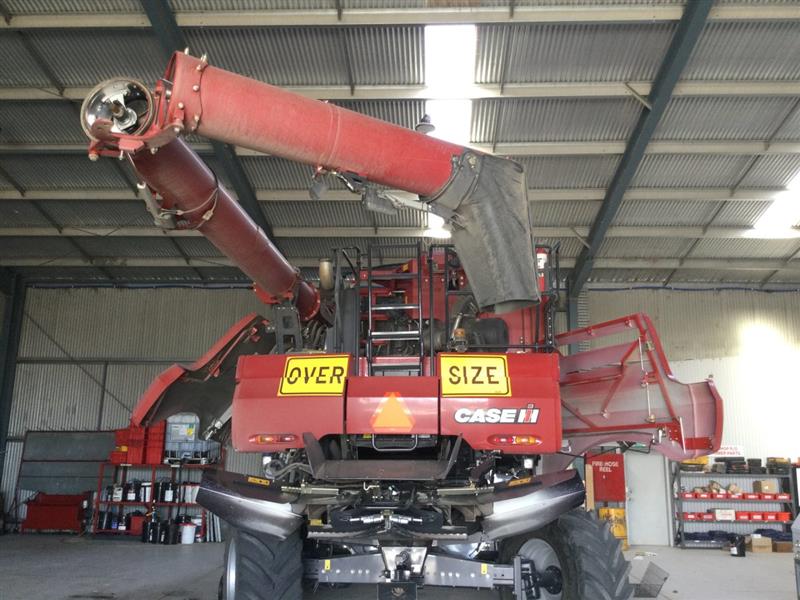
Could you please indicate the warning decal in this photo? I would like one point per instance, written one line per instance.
(314, 375)
(475, 375)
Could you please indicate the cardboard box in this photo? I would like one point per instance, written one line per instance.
(724, 514)
(759, 544)
(765, 486)
(782, 547)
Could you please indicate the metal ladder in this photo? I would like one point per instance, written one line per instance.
(414, 363)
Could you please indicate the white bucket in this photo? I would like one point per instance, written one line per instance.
(187, 533)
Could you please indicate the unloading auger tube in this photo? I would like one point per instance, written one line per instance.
(483, 196)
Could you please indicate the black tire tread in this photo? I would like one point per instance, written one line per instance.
(268, 569)
(591, 557)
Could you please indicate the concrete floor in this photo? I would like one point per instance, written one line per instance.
(51, 567)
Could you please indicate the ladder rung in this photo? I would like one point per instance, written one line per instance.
(396, 366)
(395, 335)
(387, 307)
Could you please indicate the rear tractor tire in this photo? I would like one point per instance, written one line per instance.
(582, 548)
(258, 567)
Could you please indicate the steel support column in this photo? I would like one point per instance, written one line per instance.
(9, 345)
(171, 39)
(683, 42)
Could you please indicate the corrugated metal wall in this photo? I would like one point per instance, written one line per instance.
(749, 341)
(87, 354)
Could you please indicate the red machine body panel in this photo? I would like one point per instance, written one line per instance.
(521, 416)
(393, 405)
(530, 408)
(263, 403)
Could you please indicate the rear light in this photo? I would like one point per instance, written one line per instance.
(272, 438)
(514, 440)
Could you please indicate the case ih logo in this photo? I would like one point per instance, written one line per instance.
(525, 416)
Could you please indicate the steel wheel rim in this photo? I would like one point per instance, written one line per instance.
(230, 571)
(543, 556)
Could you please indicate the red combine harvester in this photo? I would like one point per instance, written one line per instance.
(416, 420)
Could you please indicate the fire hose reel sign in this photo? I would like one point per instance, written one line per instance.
(316, 375)
(474, 375)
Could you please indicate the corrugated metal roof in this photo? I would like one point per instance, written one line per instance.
(629, 275)
(568, 247)
(154, 274)
(747, 50)
(98, 213)
(553, 119)
(336, 214)
(786, 277)
(689, 170)
(723, 118)
(197, 247)
(740, 214)
(39, 123)
(222, 274)
(36, 247)
(744, 247)
(563, 213)
(790, 130)
(271, 173)
(386, 55)
(644, 247)
(19, 68)
(405, 113)
(665, 212)
(569, 171)
(85, 57)
(59, 274)
(61, 171)
(571, 52)
(20, 214)
(773, 171)
(27, 7)
(128, 247)
(321, 247)
(314, 55)
(222, 5)
(719, 276)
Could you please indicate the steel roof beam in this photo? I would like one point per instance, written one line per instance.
(534, 195)
(682, 232)
(737, 147)
(726, 264)
(399, 16)
(686, 35)
(169, 35)
(479, 91)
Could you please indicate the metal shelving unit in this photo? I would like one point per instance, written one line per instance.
(121, 475)
(680, 479)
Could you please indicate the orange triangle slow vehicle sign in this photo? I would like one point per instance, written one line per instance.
(392, 414)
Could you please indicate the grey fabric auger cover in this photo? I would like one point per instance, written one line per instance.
(488, 196)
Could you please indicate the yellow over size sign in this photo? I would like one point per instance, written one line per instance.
(475, 375)
(316, 375)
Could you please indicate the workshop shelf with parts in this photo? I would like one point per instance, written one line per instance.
(415, 298)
